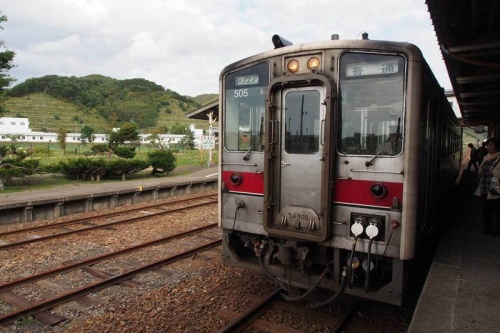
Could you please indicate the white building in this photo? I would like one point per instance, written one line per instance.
(13, 125)
(19, 127)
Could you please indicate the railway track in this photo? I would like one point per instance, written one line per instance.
(252, 317)
(109, 277)
(24, 308)
(20, 237)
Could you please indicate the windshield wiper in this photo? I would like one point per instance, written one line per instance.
(249, 151)
(391, 140)
(256, 142)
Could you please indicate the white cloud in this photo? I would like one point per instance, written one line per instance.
(63, 45)
(183, 45)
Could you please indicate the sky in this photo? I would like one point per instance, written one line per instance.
(183, 45)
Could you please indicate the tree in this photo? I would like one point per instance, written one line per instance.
(61, 139)
(88, 133)
(123, 142)
(6, 64)
(179, 129)
(156, 138)
(189, 140)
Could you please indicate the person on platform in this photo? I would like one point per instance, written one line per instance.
(490, 167)
(473, 157)
(481, 152)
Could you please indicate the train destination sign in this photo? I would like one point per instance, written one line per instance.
(372, 68)
(245, 80)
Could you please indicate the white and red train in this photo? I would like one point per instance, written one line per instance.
(334, 159)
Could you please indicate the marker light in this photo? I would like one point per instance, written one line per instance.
(313, 63)
(378, 190)
(293, 66)
(235, 178)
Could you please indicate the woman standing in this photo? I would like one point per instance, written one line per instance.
(491, 201)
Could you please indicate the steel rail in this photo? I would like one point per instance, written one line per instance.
(94, 260)
(253, 313)
(70, 296)
(105, 225)
(339, 326)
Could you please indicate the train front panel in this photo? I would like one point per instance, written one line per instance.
(317, 186)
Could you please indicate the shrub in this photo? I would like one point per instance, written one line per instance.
(162, 161)
(83, 168)
(99, 148)
(120, 167)
(14, 168)
(124, 151)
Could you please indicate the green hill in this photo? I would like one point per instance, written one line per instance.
(53, 102)
(47, 113)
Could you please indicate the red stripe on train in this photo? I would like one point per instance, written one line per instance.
(357, 192)
(252, 182)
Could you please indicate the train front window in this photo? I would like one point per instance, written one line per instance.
(371, 107)
(245, 104)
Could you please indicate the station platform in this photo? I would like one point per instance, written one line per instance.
(87, 187)
(462, 289)
(86, 196)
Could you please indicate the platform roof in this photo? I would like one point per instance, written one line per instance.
(468, 32)
(202, 113)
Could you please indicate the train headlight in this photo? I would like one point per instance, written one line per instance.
(235, 178)
(293, 66)
(313, 63)
(378, 190)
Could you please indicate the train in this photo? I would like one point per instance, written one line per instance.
(334, 160)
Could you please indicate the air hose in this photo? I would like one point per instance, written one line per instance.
(349, 271)
(357, 229)
(368, 268)
(261, 262)
(339, 292)
(372, 232)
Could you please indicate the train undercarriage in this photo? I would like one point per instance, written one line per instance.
(307, 269)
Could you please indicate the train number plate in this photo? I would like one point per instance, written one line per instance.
(299, 218)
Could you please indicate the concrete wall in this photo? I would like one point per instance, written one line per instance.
(61, 206)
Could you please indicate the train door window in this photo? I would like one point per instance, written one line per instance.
(244, 103)
(302, 122)
(371, 104)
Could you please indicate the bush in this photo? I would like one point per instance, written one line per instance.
(50, 168)
(83, 168)
(124, 152)
(99, 148)
(14, 165)
(14, 168)
(122, 168)
(162, 161)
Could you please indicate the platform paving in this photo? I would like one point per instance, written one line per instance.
(462, 289)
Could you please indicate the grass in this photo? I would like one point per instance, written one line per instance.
(187, 162)
(46, 112)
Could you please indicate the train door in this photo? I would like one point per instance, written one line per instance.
(296, 162)
(301, 165)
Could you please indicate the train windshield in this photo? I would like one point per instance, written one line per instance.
(245, 104)
(371, 107)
